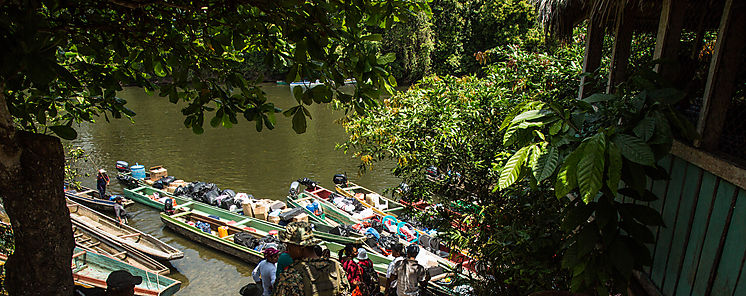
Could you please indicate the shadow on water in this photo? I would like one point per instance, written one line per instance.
(239, 158)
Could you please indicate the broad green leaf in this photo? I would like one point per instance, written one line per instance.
(645, 128)
(646, 215)
(622, 258)
(555, 128)
(64, 131)
(576, 216)
(567, 176)
(590, 170)
(587, 239)
(299, 122)
(546, 164)
(512, 168)
(634, 149)
(531, 115)
(385, 59)
(614, 169)
(644, 196)
(595, 98)
(638, 231)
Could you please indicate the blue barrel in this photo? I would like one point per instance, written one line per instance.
(138, 171)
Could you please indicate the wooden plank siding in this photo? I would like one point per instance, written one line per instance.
(701, 250)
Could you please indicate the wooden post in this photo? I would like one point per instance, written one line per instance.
(622, 42)
(669, 38)
(725, 63)
(594, 41)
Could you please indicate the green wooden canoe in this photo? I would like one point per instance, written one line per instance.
(386, 206)
(92, 241)
(122, 233)
(333, 216)
(140, 195)
(91, 269)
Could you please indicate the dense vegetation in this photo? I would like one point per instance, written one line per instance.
(536, 175)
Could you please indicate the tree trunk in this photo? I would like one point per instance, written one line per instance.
(31, 180)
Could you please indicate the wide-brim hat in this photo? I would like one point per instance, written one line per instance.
(298, 233)
(103, 171)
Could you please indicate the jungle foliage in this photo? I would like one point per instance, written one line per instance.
(452, 124)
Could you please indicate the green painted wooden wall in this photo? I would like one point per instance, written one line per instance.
(702, 248)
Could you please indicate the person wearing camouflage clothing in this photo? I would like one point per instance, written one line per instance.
(309, 274)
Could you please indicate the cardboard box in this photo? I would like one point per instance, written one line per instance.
(170, 189)
(149, 182)
(246, 206)
(274, 219)
(372, 199)
(158, 172)
(262, 216)
(301, 218)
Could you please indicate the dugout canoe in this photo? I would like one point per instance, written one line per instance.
(141, 194)
(92, 199)
(122, 233)
(91, 269)
(92, 241)
(385, 207)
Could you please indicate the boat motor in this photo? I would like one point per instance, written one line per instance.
(294, 189)
(122, 166)
(310, 184)
(340, 179)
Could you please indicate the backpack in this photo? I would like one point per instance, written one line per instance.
(370, 277)
(321, 282)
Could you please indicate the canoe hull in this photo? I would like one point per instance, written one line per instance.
(123, 234)
(90, 240)
(138, 196)
(92, 269)
(225, 246)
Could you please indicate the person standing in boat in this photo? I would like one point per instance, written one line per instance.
(309, 274)
(264, 273)
(102, 180)
(119, 210)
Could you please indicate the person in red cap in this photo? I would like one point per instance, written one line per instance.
(121, 283)
(264, 273)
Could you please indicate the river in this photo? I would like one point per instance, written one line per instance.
(240, 158)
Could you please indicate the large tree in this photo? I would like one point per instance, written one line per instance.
(64, 61)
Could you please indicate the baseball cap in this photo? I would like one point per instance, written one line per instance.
(122, 279)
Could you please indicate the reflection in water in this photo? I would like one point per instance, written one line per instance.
(239, 158)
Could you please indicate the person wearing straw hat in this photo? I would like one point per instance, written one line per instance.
(309, 275)
(102, 180)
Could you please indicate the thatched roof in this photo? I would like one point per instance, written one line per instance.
(560, 16)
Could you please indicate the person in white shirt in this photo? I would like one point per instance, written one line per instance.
(397, 250)
(264, 273)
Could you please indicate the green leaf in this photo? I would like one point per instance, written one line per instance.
(646, 215)
(595, 98)
(567, 176)
(591, 167)
(614, 169)
(622, 258)
(667, 96)
(638, 231)
(299, 122)
(372, 37)
(158, 69)
(634, 149)
(587, 239)
(645, 128)
(555, 128)
(387, 58)
(64, 131)
(531, 115)
(512, 168)
(546, 164)
(576, 216)
(645, 196)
